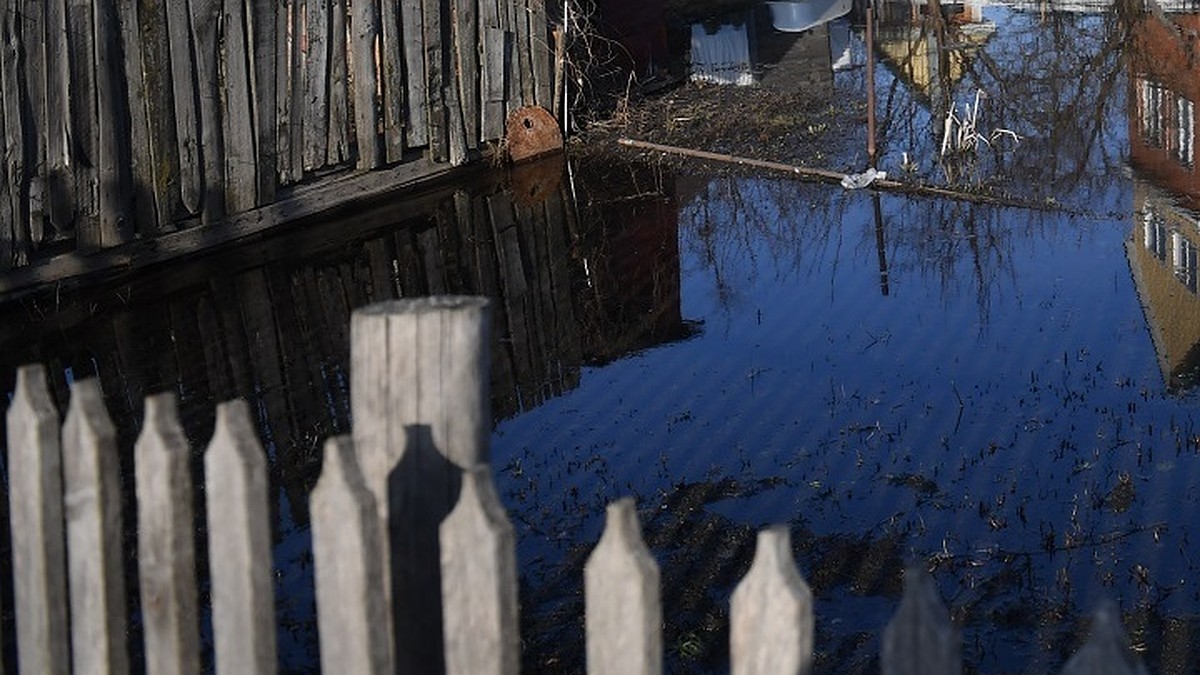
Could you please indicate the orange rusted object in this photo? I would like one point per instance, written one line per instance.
(532, 132)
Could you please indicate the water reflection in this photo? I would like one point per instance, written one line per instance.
(269, 322)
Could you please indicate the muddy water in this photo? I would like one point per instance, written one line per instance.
(1004, 395)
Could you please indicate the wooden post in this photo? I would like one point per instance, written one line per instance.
(92, 488)
(624, 611)
(420, 404)
(36, 515)
(920, 637)
(347, 551)
(166, 557)
(1106, 650)
(239, 544)
(771, 618)
(479, 582)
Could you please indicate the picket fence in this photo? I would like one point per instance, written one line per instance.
(420, 392)
(124, 119)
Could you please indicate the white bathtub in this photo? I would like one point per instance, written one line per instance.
(794, 17)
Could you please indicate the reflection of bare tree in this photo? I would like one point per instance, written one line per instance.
(1053, 78)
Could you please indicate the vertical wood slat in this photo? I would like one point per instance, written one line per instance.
(36, 515)
(166, 556)
(32, 40)
(338, 142)
(479, 582)
(239, 544)
(184, 84)
(241, 160)
(112, 109)
(466, 44)
(392, 55)
(84, 139)
(155, 68)
(494, 71)
(92, 495)
(624, 610)
(771, 613)
(59, 186)
(365, 25)
(347, 552)
(298, 89)
(266, 68)
(206, 20)
(1107, 649)
(316, 97)
(133, 98)
(435, 80)
(419, 421)
(13, 231)
(417, 97)
(540, 49)
(920, 637)
(284, 80)
(523, 58)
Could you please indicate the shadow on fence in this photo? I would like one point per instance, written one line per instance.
(407, 525)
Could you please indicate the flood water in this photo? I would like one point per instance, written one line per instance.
(1006, 395)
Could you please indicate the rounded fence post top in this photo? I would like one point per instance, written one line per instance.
(433, 303)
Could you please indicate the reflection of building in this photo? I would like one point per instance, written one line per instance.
(1164, 86)
(928, 52)
(1163, 258)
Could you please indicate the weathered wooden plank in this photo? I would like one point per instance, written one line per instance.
(164, 170)
(316, 75)
(237, 116)
(60, 200)
(116, 222)
(31, 34)
(166, 557)
(392, 72)
(365, 24)
(417, 96)
(456, 116)
(14, 232)
(206, 21)
(92, 494)
(497, 43)
(512, 55)
(418, 421)
(541, 49)
(36, 515)
(85, 141)
(434, 42)
(771, 613)
(479, 581)
(284, 80)
(298, 88)
(348, 553)
(184, 84)
(338, 149)
(466, 45)
(920, 637)
(1106, 651)
(134, 101)
(265, 34)
(624, 611)
(239, 544)
(523, 58)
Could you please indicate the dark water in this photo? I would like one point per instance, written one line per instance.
(1005, 394)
